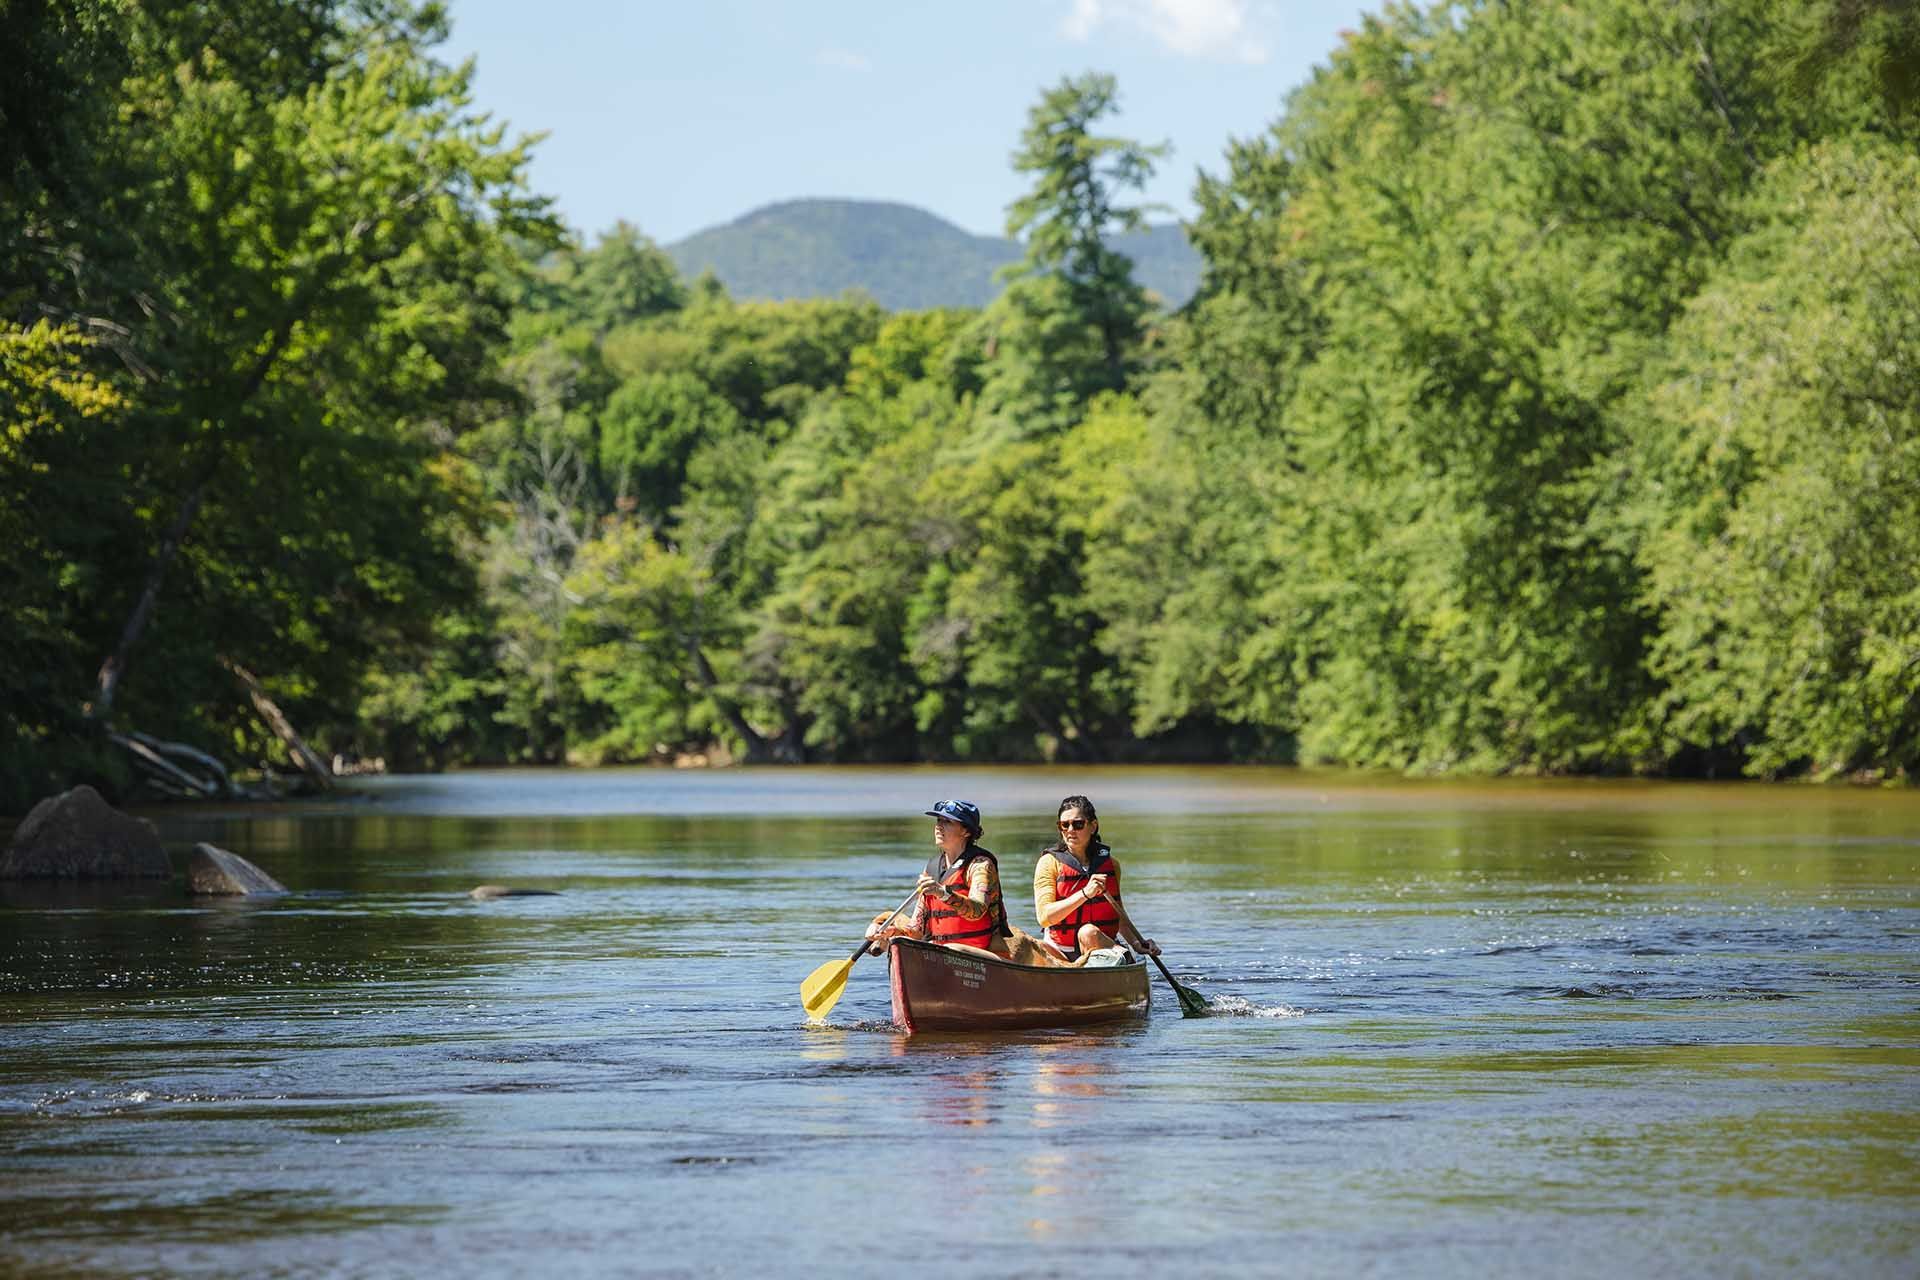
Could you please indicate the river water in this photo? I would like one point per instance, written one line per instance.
(1592, 1029)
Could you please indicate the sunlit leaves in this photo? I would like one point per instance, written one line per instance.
(287, 227)
(1777, 477)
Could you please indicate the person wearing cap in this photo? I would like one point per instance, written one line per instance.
(1076, 889)
(959, 901)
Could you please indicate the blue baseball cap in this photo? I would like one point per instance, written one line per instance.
(963, 812)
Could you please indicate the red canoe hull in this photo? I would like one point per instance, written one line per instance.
(938, 988)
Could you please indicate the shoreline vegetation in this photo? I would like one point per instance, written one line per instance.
(1550, 405)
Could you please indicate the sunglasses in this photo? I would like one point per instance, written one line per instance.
(1074, 824)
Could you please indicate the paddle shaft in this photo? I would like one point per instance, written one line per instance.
(867, 942)
(1121, 911)
(821, 989)
(1164, 971)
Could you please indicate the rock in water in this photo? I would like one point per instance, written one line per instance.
(212, 870)
(78, 836)
(486, 891)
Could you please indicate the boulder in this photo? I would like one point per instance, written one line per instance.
(78, 836)
(486, 891)
(214, 871)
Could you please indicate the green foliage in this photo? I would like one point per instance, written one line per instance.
(288, 229)
(829, 649)
(437, 704)
(354, 226)
(680, 441)
(933, 347)
(648, 433)
(634, 634)
(624, 278)
(1079, 179)
(768, 359)
(1046, 360)
(1856, 52)
(1003, 637)
(1775, 479)
(1549, 403)
(51, 403)
(1437, 283)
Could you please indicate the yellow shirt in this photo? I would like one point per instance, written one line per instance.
(1043, 873)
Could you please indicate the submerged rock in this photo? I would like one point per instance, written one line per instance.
(214, 871)
(79, 836)
(486, 891)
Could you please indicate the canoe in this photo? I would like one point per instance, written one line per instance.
(938, 988)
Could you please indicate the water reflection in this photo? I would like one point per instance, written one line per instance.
(1071, 1096)
(961, 1079)
(823, 1042)
(1065, 1073)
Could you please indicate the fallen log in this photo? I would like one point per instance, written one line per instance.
(163, 773)
(186, 752)
(304, 757)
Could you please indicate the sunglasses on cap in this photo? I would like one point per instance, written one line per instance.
(960, 811)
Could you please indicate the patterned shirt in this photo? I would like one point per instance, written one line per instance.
(980, 886)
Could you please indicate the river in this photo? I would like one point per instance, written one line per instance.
(1463, 1030)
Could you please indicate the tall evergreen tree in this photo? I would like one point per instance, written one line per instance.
(1067, 220)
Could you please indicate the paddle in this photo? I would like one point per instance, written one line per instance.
(821, 989)
(1192, 1003)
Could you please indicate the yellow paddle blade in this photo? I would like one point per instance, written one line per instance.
(821, 989)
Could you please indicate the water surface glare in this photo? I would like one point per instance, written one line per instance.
(1460, 1030)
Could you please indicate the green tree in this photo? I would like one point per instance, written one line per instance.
(290, 233)
(651, 651)
(1074, 209)
(1838, 46)
(1001, 633)
(648, 433)
(844, 533)
(431, 706)
(1774, 481)
(767, 359)
(624, 278)
(1433, 288)
(51, 406)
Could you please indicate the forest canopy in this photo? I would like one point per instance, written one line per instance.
(1551, 403)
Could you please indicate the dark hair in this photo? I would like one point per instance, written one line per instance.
(1078, 802)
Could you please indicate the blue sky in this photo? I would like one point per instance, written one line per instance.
(679, 115)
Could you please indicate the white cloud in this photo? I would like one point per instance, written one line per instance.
(1079, 24)
(843, 59)
(1214, 29)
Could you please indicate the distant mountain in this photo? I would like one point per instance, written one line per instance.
(906, 258)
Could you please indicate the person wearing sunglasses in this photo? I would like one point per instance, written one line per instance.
(1076, 888)
(958, 900)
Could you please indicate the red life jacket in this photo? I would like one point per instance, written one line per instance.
(945, 923)
(1068, 876)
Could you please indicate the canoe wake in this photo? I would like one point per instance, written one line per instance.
(1241, 1007)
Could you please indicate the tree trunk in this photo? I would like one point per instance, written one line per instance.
(108, 682)
(758, 751)
(304, 756)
